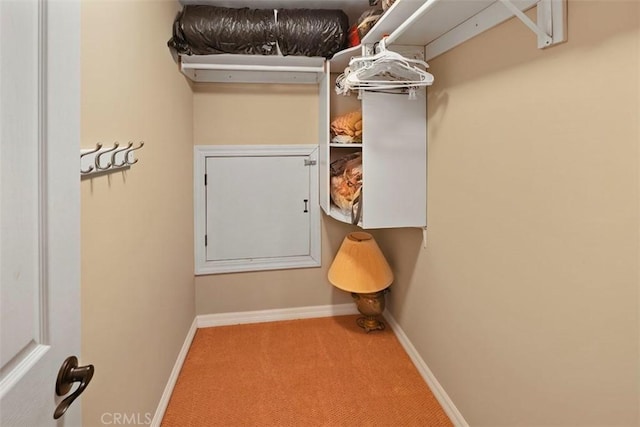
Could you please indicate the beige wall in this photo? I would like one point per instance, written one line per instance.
(264, 114)
(137, 226)
(525, 303)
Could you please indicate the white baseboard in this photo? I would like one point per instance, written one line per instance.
(168, 390)
(223, 319)
(443, 398)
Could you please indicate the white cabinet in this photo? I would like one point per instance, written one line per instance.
(256, 208)
(394, 157)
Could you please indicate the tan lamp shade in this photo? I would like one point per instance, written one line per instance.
(360, 266)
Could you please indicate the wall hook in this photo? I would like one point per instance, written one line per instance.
(124, 158)
(105, 159)
(97, 162)
(126, 155)
(90, 167)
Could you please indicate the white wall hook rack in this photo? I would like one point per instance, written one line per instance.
(101, 160)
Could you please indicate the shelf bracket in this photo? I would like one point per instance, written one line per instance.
(551, 18)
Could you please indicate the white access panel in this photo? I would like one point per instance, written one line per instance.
(257, 207)
(394, 159)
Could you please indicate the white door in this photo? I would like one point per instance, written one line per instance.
(39, 215)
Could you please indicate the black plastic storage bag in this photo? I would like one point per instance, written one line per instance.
(203, 30)
(312, 32)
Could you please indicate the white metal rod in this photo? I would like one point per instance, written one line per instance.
(238, 67)
(411, 20)
(527, 21)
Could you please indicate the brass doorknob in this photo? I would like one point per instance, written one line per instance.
(68, 374)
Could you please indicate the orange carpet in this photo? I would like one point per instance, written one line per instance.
(312, 372)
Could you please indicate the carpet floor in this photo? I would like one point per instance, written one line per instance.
(311, 372)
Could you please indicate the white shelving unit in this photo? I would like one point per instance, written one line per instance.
(227, 68)
(394, 156)
(436, 25)
(441, 25)
(394, 139)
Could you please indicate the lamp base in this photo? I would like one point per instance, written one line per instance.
(371, 306)
(370, 324)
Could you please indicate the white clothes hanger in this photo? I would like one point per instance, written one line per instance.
(384, 71)
(384, 54)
